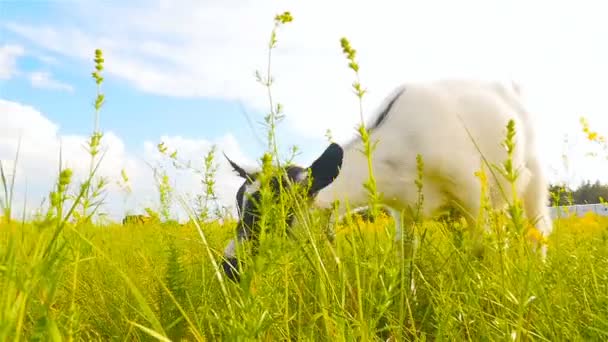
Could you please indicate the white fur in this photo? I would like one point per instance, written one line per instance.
(230, 250)
(430, 119)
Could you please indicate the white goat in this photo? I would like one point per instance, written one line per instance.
(430, 119)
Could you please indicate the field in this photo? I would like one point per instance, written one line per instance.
(135, 282)
(66, 276)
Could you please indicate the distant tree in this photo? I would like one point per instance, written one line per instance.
(589, 193)
(586, 193)
(559, 195)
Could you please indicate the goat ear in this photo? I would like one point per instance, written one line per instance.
(326, 168)
(239, 170)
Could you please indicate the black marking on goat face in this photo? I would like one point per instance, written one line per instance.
(231, 268)
(381, 118)
(247, 198)
(323, 171)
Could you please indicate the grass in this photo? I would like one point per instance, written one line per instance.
(79, 291)
(65, 277)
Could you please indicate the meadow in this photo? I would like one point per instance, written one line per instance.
(148, 282)
(64, 275)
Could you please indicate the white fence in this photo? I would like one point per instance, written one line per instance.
(578, 210)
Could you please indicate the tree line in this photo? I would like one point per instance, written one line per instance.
(586, 193)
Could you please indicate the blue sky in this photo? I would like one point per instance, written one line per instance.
(138, 117)
(183, 72)
(132, 114)
(126, 107)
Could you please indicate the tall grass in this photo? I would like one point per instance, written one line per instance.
(64, 278)
(8, 187)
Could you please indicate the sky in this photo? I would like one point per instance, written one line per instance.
(183, 73)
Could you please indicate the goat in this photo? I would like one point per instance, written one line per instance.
(453, 125)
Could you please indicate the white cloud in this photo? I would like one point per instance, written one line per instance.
(193, 151)
(38, 79)
(43, 79)
(205, 49)
(39, 161)
(8, 60)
